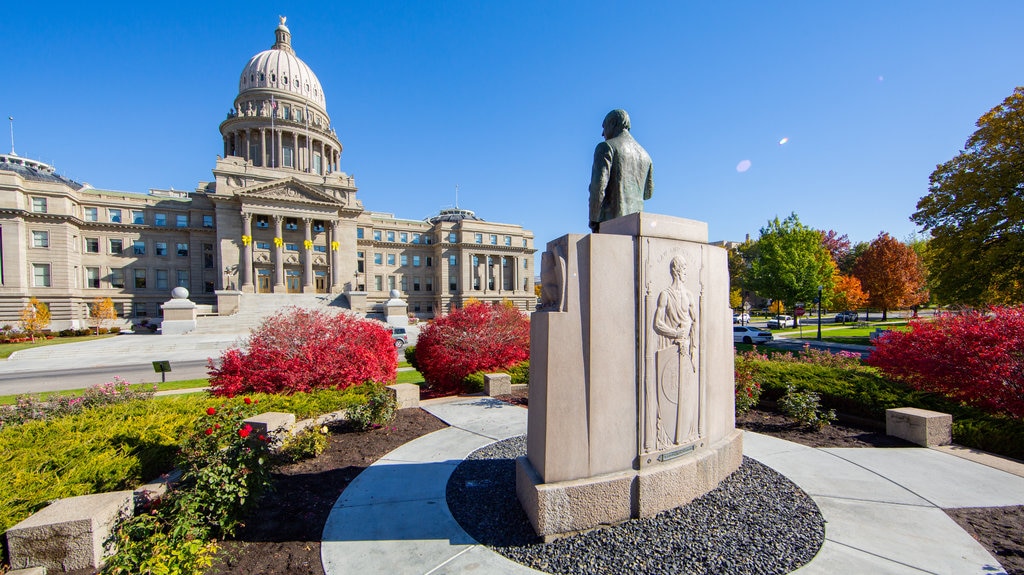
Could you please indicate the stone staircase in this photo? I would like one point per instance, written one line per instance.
(253, 308)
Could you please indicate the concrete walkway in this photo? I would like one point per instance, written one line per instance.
(883, 507)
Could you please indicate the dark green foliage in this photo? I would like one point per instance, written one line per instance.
(410, 356)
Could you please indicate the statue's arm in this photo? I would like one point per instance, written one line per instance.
(599, 179)
(649, 185)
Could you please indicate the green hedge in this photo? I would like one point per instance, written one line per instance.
(520, 373)
(117, 446)
(863, 392)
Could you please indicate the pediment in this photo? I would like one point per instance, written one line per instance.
(289, 190)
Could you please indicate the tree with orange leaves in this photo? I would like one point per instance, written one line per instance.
(848, 293)
(892, 274)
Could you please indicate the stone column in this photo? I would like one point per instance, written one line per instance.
(336, 259)
(245, 274)
(279, 285)
(295, 150)
(279, 146)
(501, 274)
(307, 257)
(263, 147)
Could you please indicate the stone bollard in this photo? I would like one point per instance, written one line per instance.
(920, 426)
(497, 384)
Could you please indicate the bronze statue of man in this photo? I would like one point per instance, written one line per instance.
(623, 176)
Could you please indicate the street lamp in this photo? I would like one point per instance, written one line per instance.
(819, 312)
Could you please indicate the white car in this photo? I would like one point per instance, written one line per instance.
(742, 318)
(747, 334)
(781, 321)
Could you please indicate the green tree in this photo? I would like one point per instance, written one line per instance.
(974, 211)
(35, 316)
(791, 262)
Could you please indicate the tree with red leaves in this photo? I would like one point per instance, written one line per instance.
(478, 337)
(973, 357)
(301, 350)
(892, 274)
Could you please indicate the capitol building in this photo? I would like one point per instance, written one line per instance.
(279, 218)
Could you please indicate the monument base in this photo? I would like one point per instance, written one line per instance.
(566, 507)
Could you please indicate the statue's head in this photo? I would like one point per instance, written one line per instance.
(614, 123)
(678, 268)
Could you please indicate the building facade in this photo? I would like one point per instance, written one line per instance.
(279, 217)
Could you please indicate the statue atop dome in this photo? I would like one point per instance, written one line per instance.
(283, 19)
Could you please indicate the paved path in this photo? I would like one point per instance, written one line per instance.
(882, 506)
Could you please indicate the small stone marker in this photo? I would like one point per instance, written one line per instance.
(497, 384)
(272, 423)
(407, 395)
(68, 534)
(920, 426)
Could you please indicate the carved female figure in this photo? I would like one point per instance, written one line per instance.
(675, 322)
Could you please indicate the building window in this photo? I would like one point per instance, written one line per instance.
(159, 219)
(526, 264)
(478, 238)
(391, 282)
(405, 284)
(453, 284)
(429, 284)
(318, 226)
(405, 260)
(430, 261)
(161, 279)
(182, 249)
(494, 240)
(403, 237)
(416, 238)
(207, 221)
(452, 237)
(208, 256)
(378, 283)
(115, 215)
(524, 242)
(140, 310)
(138, 217)
(391, 236)
(291, 247)
(453, 261)
(359, 233)
(378, 258)
(140, 278)
(321, 249)
(287, 152)
(426, 239)
(181, 221)
(41, 275)
(116, 247)
(208, 287)
(291, 224)
(160, 248)
(263, 245)
(91, 214)
(415, 261)
(92, 277)
(376, 235)
(182, 278)
(262, 222)
(508, 240)
(92, 245)
(117, 278)
(40, 239)
(391, 260)
(39, 205)
(139, 247)
(360, 267)
(415, 284)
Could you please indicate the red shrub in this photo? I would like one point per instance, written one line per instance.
(976, 358)
(301, 350)
(478, 337)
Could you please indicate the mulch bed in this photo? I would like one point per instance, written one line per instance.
(283, 535)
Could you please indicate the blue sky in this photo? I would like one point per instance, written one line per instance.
(505, 99)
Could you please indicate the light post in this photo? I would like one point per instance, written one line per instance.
(819, 312)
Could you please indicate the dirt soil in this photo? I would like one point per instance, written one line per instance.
(282, 537)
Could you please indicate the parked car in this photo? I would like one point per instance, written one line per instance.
(747, 334)
(399, 336)
(743, 318)
(781, 321)
(845, 316)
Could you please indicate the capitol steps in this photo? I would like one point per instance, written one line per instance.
(254, 308)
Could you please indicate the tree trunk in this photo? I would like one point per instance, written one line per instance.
(885, 314)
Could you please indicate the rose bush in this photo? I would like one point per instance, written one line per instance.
(301, 350)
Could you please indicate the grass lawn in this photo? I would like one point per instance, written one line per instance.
(8, 348)
(409, 377)
(170, 385)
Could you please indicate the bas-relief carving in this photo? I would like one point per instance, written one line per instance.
(672, 354)
(552, 280)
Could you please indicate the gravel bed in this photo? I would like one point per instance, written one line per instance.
(756, 521)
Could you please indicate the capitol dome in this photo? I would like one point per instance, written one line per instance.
(280, 69)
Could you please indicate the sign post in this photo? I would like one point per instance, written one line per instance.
(162, 367)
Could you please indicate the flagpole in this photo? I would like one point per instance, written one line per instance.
(11, 118)
(273, 134)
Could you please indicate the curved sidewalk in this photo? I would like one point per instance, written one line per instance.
(883, 507)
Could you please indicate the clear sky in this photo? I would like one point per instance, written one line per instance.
(505, 99)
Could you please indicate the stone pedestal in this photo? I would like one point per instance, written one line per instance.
(396, 311)
(228, 301)
(631, 375)
(179, 314)
(357, 301)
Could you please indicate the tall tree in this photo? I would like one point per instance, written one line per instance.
(101, 311)
(849, 260)
(837, 245)
(892, 274)
(975, 213)
(791, 262)
(848, 294)
(35, 316)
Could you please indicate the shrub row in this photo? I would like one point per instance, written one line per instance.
(863, 392)
(11, 336)
(520, 373)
